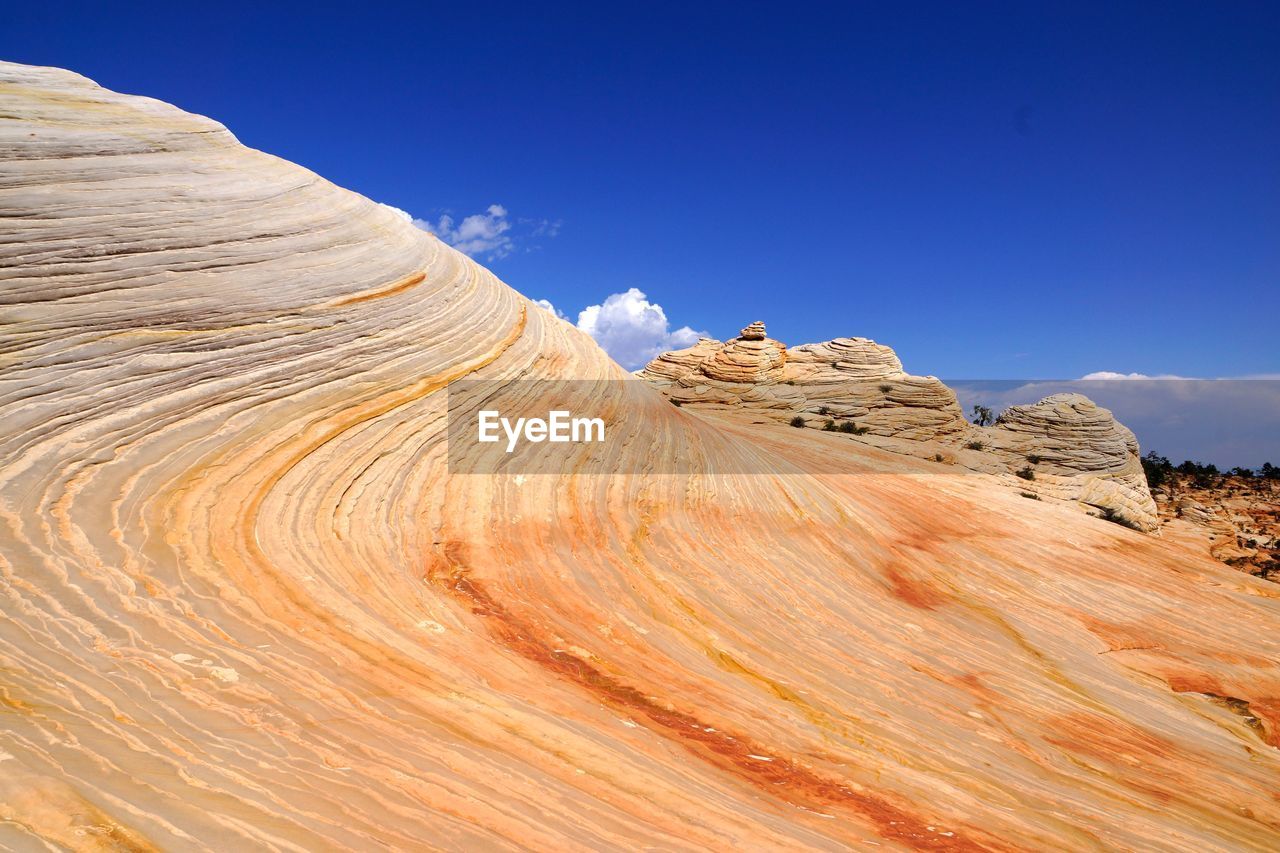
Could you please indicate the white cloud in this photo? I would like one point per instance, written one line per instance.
(403, 214)
(634, 330)
(491, 235)
(546, 305)
(478, 235)
(1107, 374)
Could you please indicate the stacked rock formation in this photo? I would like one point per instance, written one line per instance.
(1083, 455)
(1078, 451)
(245, 604)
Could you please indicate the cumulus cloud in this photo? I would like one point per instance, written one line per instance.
(403, 214)
(546, 305)
(632, 329)
(478, 235)
(490, 235)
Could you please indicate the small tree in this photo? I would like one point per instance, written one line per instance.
(1157, 468)
(982, 416)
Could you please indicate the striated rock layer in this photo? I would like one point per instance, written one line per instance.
(244, 605)
(1065, 447)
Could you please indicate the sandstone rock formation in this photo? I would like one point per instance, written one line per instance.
(245, 605)
(1063, 447)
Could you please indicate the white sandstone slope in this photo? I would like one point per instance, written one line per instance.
(244, 605)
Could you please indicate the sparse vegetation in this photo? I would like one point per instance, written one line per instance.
(983, 416)
(974, 445)
(1160, 470)
(1030, 496)
(1034, 458)
(1026, 473)
(937, 457)
(1157, 468)
(844, 426)
(1204, 475)
(798, 421)
(824, 410)
(1109, 514)
(886, 388)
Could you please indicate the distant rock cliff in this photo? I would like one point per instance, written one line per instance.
(1064, 447)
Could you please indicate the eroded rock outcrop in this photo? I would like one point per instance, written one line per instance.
(1077, 450)
(1064, 447)
(1236, 519)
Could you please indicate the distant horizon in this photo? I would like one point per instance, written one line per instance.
(1229, 423)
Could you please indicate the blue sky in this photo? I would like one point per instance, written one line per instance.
(996, 190)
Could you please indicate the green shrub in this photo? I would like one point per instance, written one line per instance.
(852, 428)
(1027, 473)
(824, 410)
(886, 388)
(974, 445)
(798, 421)
(1030, 495)
(1034, 459)
(830, 425)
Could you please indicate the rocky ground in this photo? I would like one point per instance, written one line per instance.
(1236, 519)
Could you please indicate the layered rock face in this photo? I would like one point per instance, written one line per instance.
(1080, 452)
(1062, 448)
(244, 604)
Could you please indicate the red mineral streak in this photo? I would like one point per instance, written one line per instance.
(774, 774)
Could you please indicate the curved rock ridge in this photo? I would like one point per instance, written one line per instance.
(245, 605)
(1064, 447)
